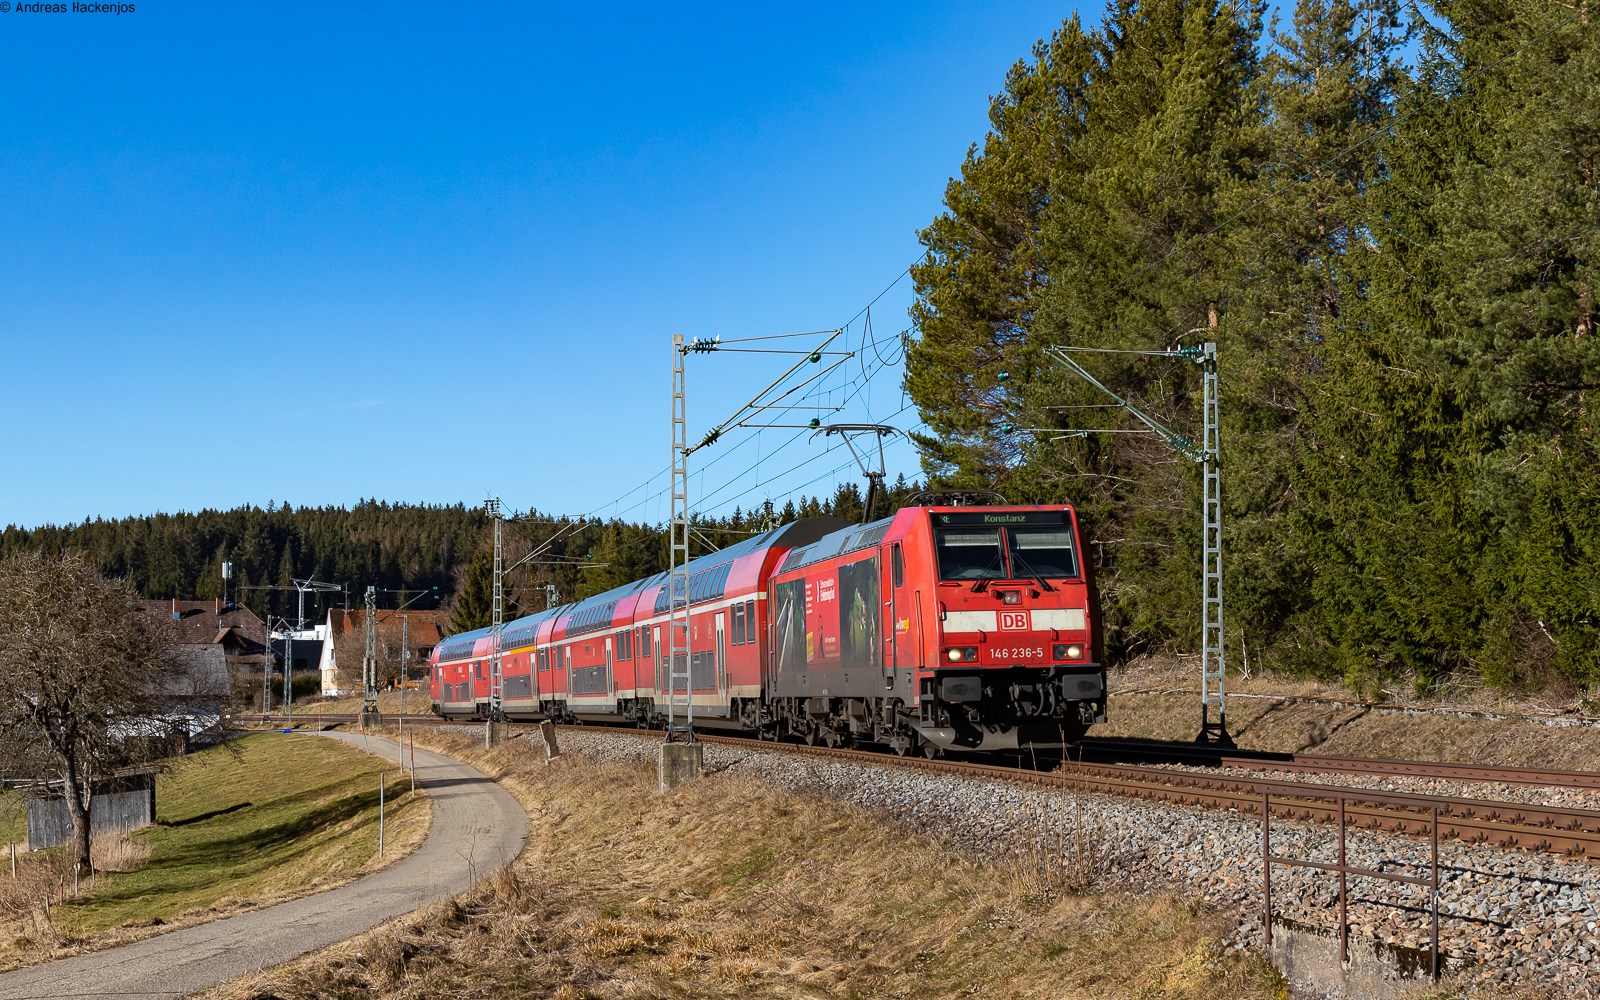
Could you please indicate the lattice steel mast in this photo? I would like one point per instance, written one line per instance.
(678, 643)
(369, 662)
(496, 620)
(405, 664)
(303, 586)
(1213, 662)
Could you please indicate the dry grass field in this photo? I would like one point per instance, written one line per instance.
(728, 888)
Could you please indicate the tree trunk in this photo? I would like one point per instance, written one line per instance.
(74, 791)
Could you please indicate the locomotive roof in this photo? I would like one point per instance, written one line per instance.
(795, 533)
(520, 631)
(848, 539)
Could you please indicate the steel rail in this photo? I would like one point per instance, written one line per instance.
(1325, 764)
(1316, 764)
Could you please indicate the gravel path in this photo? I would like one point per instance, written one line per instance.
(471, 816)
(1504, 915)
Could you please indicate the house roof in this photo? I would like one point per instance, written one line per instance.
(202, 673)
(209, 622)
(426, 628)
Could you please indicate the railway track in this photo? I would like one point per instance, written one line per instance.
(1323, 764)
(1510, 826)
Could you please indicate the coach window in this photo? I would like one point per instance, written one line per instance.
(750, 620)
(970, 554)
(738, 624)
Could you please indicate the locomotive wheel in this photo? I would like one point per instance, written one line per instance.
(932, 751)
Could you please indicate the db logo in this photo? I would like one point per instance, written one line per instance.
(1013, 621)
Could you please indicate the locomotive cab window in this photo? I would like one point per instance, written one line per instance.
(1043, 551)
(970, 554)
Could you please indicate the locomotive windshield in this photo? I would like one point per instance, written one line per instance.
(970, 554)
(1011, 553)
(1042, 551)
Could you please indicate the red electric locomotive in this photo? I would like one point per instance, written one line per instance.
(938, 628)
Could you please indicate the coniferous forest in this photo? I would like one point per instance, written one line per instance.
(1387, 222)
(1386, 219)
(404, 550)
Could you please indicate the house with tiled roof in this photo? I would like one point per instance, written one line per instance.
(213, 640)
(233, 627)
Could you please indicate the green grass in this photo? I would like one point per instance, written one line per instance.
(285, 813)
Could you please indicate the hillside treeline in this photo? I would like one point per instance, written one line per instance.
(1388, 224)
(391, 546)
(403, 550)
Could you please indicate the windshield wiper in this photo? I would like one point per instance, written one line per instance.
(983, 582)
(1016, 557)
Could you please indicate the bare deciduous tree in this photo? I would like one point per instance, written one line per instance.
(88, 679)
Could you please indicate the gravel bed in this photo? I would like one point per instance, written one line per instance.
(1504, 916)
(1555, 797)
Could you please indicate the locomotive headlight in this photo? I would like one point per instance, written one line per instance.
(962, 654)
(1067, 651)
(1010, 597)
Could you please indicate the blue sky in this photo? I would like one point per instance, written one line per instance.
(318, 253)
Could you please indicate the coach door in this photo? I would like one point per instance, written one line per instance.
(916, 625)
(722, 653)
(660, 659)
(611, 672)
(896, 572)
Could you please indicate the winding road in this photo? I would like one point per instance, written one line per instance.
(477, 827)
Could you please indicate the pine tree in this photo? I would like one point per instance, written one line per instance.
(979, 285)
(473, 607)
